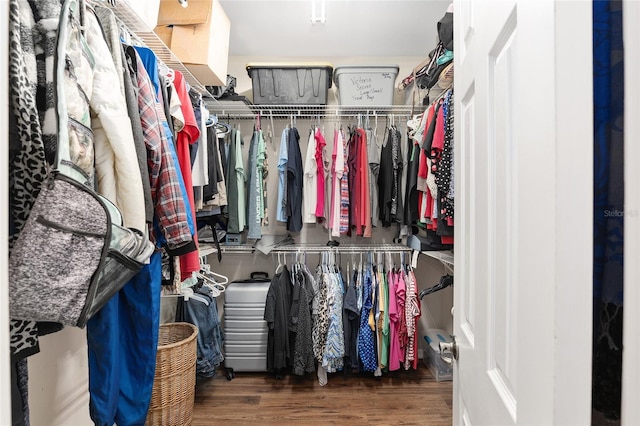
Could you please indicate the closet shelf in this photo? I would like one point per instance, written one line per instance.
(208, 249)
(146, 35)
(445, 257)
(242, 110)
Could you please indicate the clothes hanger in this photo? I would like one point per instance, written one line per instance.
(280, 265)
(213, 276)
(215, 287)
(205, 269)
(222, 129)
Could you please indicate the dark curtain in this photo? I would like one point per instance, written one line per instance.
(608, 79)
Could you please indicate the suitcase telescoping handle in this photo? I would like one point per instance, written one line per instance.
(259, 274)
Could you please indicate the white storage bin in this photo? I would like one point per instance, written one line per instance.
(362, 85)
(440, 370)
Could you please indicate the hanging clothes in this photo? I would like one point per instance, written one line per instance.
(276, 314)
(301, 322)
(241, 177)
(233, 187)
(254, 190)
(201, 310)
(107, 20)
(281, 209)
(263, 173)
(294, 182)
(366, 342)
(373, 156)
(412, 314)
(311, 178)
(364, 195)
(354, 182)
(351, 325)
(27, 154)
(345, 198)
(333, 357)
(319, 154)
(386, 332)
(122, 336)
(337, 172)
(172, 222)
(200, 155)
(321, 317)
(189, 262)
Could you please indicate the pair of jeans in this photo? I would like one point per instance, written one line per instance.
(201, 310)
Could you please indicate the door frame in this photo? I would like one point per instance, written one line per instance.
(574, 214)
(630, 410)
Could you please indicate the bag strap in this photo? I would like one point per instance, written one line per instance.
(71, 10)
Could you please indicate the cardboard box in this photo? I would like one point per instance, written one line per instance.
(172, 13)
(164, 33)
(146, 10)
(204, 48)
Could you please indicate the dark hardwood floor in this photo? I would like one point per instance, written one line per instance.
(411, 397)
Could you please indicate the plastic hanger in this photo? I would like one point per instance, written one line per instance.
(280, 265)
(215, 287)
(206, 271)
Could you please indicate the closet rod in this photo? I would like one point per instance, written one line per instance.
(207, 249)
(319, 248)
(302, 116)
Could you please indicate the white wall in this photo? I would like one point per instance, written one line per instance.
(58, 380)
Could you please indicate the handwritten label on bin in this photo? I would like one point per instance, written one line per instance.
(373, 89)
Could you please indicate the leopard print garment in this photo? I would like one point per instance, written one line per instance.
(28, 168)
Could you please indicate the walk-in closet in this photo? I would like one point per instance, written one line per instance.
(318, 212)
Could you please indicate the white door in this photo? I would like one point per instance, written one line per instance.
(523, 232)
(631, 343)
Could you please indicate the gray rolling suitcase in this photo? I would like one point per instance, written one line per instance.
(245, 330)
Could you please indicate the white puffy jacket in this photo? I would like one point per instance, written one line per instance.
(116, 162)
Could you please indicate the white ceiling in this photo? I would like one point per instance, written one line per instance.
(352, 27)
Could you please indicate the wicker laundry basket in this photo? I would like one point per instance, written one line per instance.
(175, 379)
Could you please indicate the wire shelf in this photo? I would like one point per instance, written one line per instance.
(242, 110)
(207, 249)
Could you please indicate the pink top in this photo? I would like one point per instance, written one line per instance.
(401, 291)
(394, 360)
(320, 145)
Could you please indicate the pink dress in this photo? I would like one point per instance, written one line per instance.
(394, 317)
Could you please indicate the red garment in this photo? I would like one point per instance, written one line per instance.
(364, 197)
(447, 239)
(189, 134)
(438, 141)
(422, 165)
(320, 144)
(429, 205)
